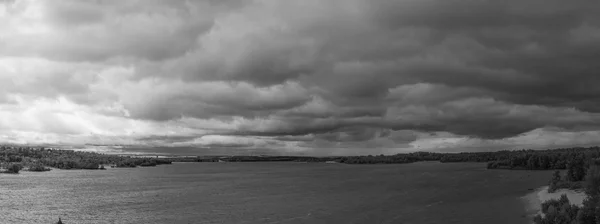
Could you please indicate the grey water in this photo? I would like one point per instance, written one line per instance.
(419, 193)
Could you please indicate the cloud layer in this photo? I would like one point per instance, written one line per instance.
(311, 76)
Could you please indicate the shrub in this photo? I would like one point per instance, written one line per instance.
(148, 163)
(38, 167)
(126, 163)
(558, 211)
(90, 166)
(14, 168)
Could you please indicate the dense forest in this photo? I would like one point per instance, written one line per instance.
(13, 159)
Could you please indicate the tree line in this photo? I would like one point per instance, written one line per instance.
(573, 159)
(13, 159)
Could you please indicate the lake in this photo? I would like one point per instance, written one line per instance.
(419, 193)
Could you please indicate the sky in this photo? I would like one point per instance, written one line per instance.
(311, 77)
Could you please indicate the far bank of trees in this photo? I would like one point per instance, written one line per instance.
(564, 158)
(574, 160)
(40, 159)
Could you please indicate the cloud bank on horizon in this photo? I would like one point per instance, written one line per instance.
(308, 76)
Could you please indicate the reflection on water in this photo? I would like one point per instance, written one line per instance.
(270, 193)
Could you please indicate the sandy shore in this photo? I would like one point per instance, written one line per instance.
(533, 201)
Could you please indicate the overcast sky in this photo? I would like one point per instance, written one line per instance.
(318, 77)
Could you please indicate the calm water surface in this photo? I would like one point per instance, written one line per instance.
(270, 193)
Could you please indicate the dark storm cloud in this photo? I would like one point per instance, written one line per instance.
(487, 118)
(327, 73)
(525, 48)
(522, 54)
